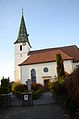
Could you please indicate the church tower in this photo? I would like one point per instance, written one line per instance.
(22, 47)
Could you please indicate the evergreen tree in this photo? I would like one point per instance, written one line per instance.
(5, 85)
(60, 66)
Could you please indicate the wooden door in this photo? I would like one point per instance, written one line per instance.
(46, 84)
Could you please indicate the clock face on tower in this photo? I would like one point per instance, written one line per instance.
(24, 43)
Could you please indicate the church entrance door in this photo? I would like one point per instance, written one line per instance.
(46, 80)
(46, 84)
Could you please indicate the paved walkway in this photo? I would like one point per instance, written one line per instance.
(44, 108)
(45, 99)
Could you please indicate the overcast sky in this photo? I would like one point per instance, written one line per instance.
(50, 23)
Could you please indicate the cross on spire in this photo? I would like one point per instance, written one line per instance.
(22, 11)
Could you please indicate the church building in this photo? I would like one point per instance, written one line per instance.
(40, 65)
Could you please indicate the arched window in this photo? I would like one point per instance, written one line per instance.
(33, 75)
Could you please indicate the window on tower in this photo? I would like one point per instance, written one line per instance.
(20, 47)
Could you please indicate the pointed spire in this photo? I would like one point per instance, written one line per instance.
(22, 11)
(22, 35)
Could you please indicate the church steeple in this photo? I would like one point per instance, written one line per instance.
(22, 35)
(21, 48)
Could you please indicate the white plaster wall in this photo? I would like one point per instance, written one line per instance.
(68, 66)
(20, 56)
(26, 70)
(24, 74)
(39, 71)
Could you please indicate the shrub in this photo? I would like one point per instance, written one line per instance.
(5, 86)
(37, 90)
(11, 84)
(50, 85)
(17, 87)
(58, 90)
(54, 94)
(36, 86)
(36, 94)
(4, 90)
(58, 87)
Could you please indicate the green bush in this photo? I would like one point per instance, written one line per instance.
(36, 94)
(5, 86)
(58, 90)
(4, 90)
(18, 87)
(58, 87)
(50, 85)
(54, 94)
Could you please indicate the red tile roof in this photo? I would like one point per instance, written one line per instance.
(49, 55)
(72, 51)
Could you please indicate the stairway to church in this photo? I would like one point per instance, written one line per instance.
(45, 99)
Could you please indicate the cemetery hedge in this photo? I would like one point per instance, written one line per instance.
(72, 85)
(66, 92)
(72, 88)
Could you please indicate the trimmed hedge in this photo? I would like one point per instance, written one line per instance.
(72, 85)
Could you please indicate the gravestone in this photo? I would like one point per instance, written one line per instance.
(29, 85)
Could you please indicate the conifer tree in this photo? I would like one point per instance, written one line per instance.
(60, 66)
(5, 85)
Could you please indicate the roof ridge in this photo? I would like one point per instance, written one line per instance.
(57, 50)
(53, 48)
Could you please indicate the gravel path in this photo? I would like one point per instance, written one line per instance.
(44, 108)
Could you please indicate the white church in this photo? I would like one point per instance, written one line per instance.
(40, 65)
